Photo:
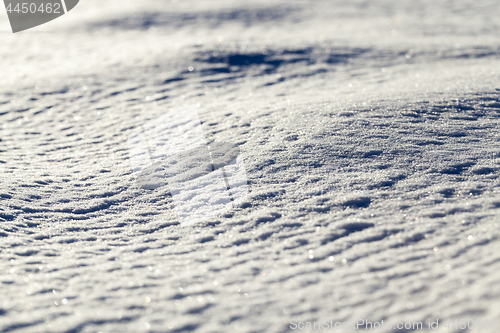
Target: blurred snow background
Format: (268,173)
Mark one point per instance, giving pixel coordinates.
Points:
(370,136)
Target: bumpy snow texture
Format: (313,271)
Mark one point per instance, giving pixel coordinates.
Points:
(369,135)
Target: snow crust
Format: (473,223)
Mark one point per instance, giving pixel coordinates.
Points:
(368,163)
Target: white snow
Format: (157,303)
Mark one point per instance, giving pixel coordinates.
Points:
(368,136)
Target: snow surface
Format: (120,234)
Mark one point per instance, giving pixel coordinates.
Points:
(369,135)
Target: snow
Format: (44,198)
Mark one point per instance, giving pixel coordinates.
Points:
(367,133)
